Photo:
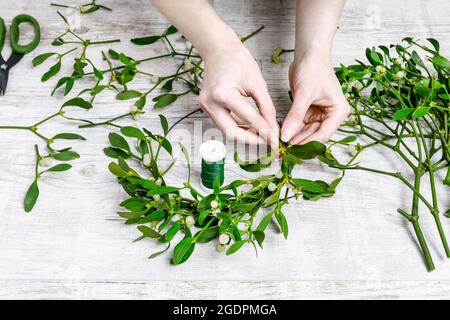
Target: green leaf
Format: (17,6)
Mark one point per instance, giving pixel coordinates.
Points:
(140,103)
(60,82)
(116,170)
(335,183)
(447,177)
(162,190)
(282,222)
(308,151)
(207,235)
(98,74)
(113,54)
(154,216)
(68,136)
(255,166)
(127,95)
(420,112)
(131,215)
(173,230)
(115,153)
(145,40)
(402,113)
(273,198)
(435,44)
(168,85)
(246,206)
(441,62)
(148,232)
(77,102)
(31,196)
(122,163)
(66,155)
(118,141)
(291,160)
(186,156)
(134,204)
(235,247)
(156,254)
(373,57)
(309,185)
(69,85)
(170,30)
(347,140)
(52,71)
(166,145)
(42,58)
(417,60)
(60,167)
(265,222)
(202,216)
(183,250)
(259,236)
(133,132)
(164,100)
(164,124)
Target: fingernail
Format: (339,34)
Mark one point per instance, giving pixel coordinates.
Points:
(285,137)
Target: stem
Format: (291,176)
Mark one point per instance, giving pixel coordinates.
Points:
(423,244)
(182,118)
(60,5)
(243,39)
(105,41)
(435,212)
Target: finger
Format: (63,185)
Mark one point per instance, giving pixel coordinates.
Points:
(237,104)
(294,119)
(305,132)
(266,107)
(328,126)
(223,120)
(239,121)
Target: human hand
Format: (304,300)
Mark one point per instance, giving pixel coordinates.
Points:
(231,74)
(319,105)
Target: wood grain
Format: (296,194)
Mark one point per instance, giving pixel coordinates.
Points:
(72,245)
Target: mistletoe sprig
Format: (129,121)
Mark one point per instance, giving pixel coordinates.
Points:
(115,78)
(404,89)
(64,154)
(80,62)
(401,102)
(180,213)
(121,70)
(83,8)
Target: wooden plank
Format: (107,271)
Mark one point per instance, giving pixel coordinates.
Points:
(73,246)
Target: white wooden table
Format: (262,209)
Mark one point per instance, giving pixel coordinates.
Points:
(353,245)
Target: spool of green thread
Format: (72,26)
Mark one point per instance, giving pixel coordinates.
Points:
(213,163)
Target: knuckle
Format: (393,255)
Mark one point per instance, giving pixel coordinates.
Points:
(220,93)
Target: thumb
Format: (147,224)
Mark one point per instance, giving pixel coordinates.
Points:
(294,119)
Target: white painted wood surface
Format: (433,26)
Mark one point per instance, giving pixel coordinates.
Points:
(353,245)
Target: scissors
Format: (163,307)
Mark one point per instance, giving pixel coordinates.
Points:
(18,50)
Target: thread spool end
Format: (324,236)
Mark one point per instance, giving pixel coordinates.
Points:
(212,151)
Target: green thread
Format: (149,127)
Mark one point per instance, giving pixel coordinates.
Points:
(211,172)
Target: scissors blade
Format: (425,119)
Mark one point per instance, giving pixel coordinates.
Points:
(3,81)
(14,59)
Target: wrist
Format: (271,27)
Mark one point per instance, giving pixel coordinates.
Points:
(312,53)
(224,40)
